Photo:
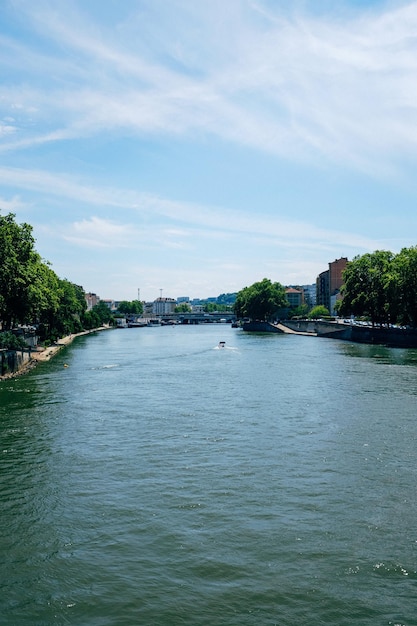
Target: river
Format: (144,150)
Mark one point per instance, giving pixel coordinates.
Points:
(149,477)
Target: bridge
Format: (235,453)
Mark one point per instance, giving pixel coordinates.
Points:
(199,318)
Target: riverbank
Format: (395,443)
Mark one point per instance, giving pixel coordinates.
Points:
(356,333)
(45,354)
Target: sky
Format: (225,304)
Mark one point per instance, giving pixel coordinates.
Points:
(194,147)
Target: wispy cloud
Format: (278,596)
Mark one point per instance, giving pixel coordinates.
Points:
(236,136)
(99,233)
(11,205)
(192,220)
(292,84)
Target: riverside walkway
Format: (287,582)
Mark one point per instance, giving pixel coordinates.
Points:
(290,331)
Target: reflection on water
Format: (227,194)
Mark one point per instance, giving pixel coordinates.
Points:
(393,356)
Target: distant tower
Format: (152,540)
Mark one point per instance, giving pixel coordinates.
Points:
(160,291)
(139,294)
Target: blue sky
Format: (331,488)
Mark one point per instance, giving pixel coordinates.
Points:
(197,146)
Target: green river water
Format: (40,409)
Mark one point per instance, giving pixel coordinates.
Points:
(159,480)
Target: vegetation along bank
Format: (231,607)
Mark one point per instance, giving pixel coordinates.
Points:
(380,289)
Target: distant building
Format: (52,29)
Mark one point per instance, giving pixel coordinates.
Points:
(164,306)
(92,299)
(294,296)
(197,308)
(147,309)
(310,295)
(322,289)
(110,304)
(335,274)
(328,284)
(333,299)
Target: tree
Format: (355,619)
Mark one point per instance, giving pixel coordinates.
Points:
(261,300)
(135,307)
(91,319)
(367,290)
(182,308)
(403,286)
(319,311)
(68,317)
(210,307)
(19,264)
(103,313)
(9,341)
(43,293)
(300,311)
(227,298)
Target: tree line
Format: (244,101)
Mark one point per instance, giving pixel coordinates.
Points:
(379,286)
(382,287)
(260,301)
(32,293)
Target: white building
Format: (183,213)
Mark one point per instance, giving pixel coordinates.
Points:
(164,306)
(109,303)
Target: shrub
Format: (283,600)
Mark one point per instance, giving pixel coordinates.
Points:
(9,341)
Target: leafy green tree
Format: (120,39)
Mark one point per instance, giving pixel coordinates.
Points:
(91,319)
(227,298)
(137,307)
(9,341)
(134,307)
(43,293)
(219,308)
(261,300)
(403,286)
(367,289)
(124,307)
(182,308)
(300,311)
(210,307)
(319,311)
(18,266)
(31,292)
(67,318)
(103,312)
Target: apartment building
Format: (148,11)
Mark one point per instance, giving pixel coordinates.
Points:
(328,284)
(164,306)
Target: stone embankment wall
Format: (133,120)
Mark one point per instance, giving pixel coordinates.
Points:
(394,337)
(12,361)
(301,326)
(260,327)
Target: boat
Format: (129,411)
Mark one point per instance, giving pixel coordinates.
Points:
(222,344)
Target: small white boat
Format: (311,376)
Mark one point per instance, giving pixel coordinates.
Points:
(222,344)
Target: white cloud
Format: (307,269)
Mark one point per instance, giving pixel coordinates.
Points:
(294,85)
(248,85)
(6,129)
(196,220)
(99,233)
(11,205)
